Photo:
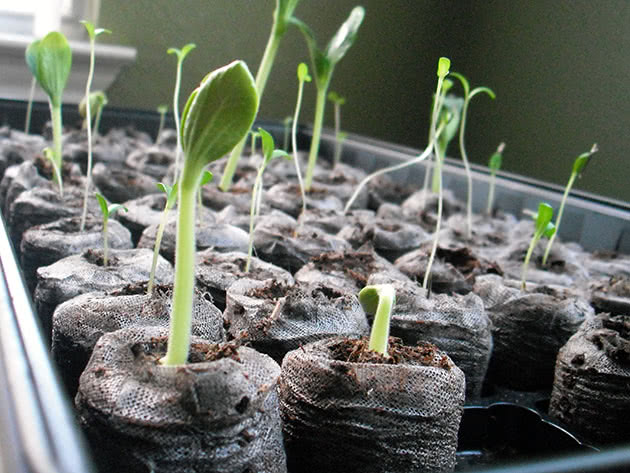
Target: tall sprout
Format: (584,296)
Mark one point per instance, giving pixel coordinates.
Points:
(494,163)
(543,226)
(379,300)
(303,76)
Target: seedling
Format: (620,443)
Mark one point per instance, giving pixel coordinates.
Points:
(206,178)
(340,136)
(303,76)
(269,153)
(468,95)
(323,63)
(181,55)
(434,131)
(252,152)
(450,113)
(379,300)
(578,166)
(494,164)
(98,100)
(282,18)
(162,110)
(107,211)
(217,116)
(286,123)
(50,61)
(171,198)
(543,227)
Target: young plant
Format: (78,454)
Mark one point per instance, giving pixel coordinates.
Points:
(269,153)
(98,100)
(217,116)
(450,114)
(494,164)
(107,211)
(181,55)
(468,95)
(303,76)
(434,131)
(323,63)
(252,152)
(379,300)
(282,18)
(578,166)
(340,136)
(543,227)
(162,110)
(50,61)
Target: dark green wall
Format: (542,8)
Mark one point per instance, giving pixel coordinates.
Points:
(560,70)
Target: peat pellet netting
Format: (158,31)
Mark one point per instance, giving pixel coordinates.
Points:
(370,417)
(216,413)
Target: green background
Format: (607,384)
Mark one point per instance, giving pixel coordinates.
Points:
(560,70)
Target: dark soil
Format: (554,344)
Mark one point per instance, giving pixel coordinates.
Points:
(155,349)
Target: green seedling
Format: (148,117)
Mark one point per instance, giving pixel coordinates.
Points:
(323,63)
(286,123)
(50,61)
(379,300)
(494,163)
(269,153)
(543,227)
(206,178)
(578,166)
(340,136)
(254,135)
(450,113)
(468,95)
(303,76)
(107,210)
(282,18)
(162,110)
(217,116)
(98,100)
(434,131)
(181,55)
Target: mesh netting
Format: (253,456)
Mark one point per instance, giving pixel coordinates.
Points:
(528,329)
(611,295)
(349,416)
(275,318)
(457,324)
(206,416)
(590,390)
(81,321)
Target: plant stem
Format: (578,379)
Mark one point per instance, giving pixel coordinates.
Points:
(29,107)
(337,155)
(156,247)
(88,114)
(178,150)
(55,113)
(298,105)
(105,242)
(379,336)
(160,126)
(530,250)
(427,273)
(253,212)
(560,211)
(317,130)
(183,290)
(493,175)
(462,150)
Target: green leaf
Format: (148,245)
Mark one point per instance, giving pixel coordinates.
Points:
(368,297)
(486,90)
(116,207)
(206,178)
(543,217)
(283,14)
(452,107)
(582,160)
(92,31)
(51,61)
(495,161)
(103,204)
(218,114)
(268,144)
(444,65)
(345,36)
(280,153)
(181,53)
(302,73)
(334,97)
(550,229)
(98,99)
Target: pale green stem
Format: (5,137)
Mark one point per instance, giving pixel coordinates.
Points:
(296,160)
(29,106)
(437,105)
(493,175)
(530,250)
(160,126)
(285,138)
(156,247)
(55,113)
(462,150)
(178,150)
(253,147)
(261,80)
(253,213)
(317,130)
(97,119)
(88,114)
(560,211)
(337,155)
(437,169)
(379,336)
(427,273)
(184,284)
(105,242)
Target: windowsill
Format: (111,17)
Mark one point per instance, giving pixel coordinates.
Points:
(15,77)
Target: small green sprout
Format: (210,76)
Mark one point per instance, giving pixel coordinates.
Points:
(323,63)
(162,110)
(578,166)
(50,61)
(286,123)
(107,211)
(340,136)
(468,95)
(450,114)
(206,178)
(98,100)
(379,300)
(494,163)
(217,116)
(543,227)
(303,76)
(269,153)
(254,135)
(282,18)
(181,55)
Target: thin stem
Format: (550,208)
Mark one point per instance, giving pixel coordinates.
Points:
(88,114)
(317,130)
(178,150)
(560,211)
(253,212)
(379,336)
(437,225)
(183,290)
(493,175)
(97,119)
(156,247)
(160,126)
(298,105)
(55,113)
(29,106)
(105,241)
(462,150)
(530,250)
(337,155)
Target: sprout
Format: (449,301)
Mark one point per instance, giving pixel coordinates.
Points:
(303,76)
(254,135)
(494,164)
(468,95)
(50,61)
(181,55)
(171,198)
(379,300)
(340,136)
(286,123)
(217,116)
(107,211)
(282,18)
(98,100)
(543,227)
(162,110)
(450,113)
(578,166)
(323,63)
(269,153)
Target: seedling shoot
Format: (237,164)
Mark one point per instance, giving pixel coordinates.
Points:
(286,123)
(494,163)
(340,136)
(107,211)
(162,110)
(450,114)
(303,76)
(543,227)
(379,300)
(578,166)
(217,116)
